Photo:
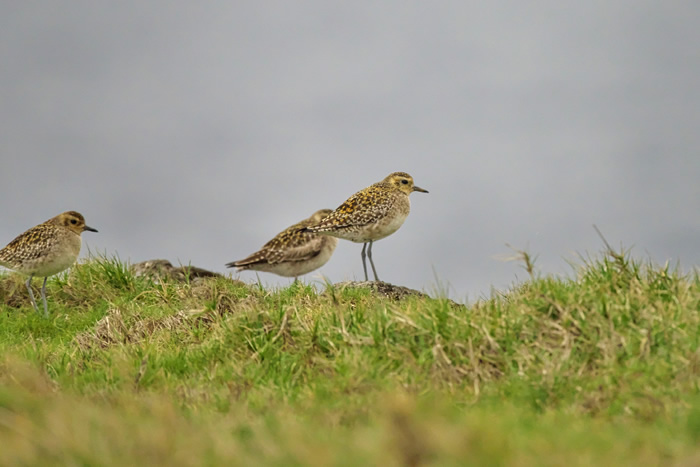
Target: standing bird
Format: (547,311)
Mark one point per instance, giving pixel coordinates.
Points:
(371,214)
(46,249)
(292,252)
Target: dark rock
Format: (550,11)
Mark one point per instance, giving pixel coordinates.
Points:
(158,269)
(393,292)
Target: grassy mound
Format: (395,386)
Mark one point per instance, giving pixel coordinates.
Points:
(603,367)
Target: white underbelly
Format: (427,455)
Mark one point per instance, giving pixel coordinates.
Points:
(378,230)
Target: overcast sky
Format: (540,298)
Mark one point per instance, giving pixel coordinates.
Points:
(195,131)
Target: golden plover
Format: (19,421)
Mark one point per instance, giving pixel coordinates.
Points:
(46,249)
(371,214)
(292,252)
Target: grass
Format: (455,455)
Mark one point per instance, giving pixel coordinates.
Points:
(599,368)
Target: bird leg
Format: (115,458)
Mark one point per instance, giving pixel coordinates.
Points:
(364,263)
(43,297)
(31,294)
(369,255)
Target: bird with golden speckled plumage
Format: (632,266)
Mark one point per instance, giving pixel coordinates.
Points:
(371,214)
(46,249)
(292,253)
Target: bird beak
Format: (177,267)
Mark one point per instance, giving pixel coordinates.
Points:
(417,188)
(89,229)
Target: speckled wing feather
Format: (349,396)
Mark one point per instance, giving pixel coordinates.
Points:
(292,245)
(289,245)
(363,208)
(28,246)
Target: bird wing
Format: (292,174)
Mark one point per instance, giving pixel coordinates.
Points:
(359,210)
(28,246)
(289,245)
(293,245)
(304,250)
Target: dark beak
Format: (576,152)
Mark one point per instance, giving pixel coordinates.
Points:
(417,188)
(90,229)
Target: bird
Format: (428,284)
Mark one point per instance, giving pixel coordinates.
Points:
(292,253)
(46,249)
(371,214)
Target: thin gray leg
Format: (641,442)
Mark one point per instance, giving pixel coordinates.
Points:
(369,255)
(43,297)
(364,263)
(31,294)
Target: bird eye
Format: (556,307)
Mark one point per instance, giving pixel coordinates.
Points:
(73,221)
(404,181)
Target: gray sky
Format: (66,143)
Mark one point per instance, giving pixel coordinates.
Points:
(195,131)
